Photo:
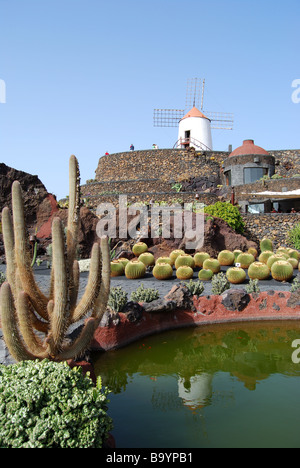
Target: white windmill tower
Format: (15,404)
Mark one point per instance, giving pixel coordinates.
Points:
(194,126)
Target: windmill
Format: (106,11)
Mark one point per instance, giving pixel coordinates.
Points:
(194,125)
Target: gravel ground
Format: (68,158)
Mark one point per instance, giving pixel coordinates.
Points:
(43,275)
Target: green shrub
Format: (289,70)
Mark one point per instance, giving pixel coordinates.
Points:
(229,213)
(144,295)
(294,236)
(117,299)
(220,284)
(49,405)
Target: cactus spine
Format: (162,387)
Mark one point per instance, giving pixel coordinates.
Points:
(24,308)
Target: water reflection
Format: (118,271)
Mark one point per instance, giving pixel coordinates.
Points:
(248,352)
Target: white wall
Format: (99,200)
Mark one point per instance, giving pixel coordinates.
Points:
(200,130)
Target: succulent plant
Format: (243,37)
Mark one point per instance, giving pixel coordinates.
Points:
(196,288)
(226,258)
(236,253)
(139,248)
(212,264)
(259,270)
(236,275)
(184,272)
(253,251)
(117,299)
(116,268)
(275,258)
(293,262)
(264,256)
(282,271)
(123,260)
(25,308)
(282,250)
(245,260)
(135,269)
(175,253)
(252,287)
(184,260)
(294,254)
(164,260)
(147,258)
(199,258)
(144,294)
(266,244)
(205,275)
(162,271)
(220,284)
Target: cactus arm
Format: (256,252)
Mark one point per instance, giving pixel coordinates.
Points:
(81,344)
(102,299)
(93,286)
(34,255)
(73,216)
(25,315)
(60,314)
(22,256)
(9,326)
(75,290)
(9,244)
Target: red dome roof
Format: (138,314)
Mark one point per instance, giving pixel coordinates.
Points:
(248,147)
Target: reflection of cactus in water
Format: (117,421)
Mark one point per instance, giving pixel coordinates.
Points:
(25,308)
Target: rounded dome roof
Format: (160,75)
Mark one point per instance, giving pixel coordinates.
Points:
(248,147)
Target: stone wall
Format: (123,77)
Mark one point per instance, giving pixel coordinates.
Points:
(274,226)
(165,164)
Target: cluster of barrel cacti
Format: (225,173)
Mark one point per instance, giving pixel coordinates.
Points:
(26,310)
(260,265)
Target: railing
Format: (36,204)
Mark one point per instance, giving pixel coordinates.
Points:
(191,142)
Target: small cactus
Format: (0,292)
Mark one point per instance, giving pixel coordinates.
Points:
(245,260)
(259,271)
(226,258)
(266,244)
(205,275)
(282,271)
(219,284)
(135,269)
(139,248)
(162,271)
(184,260)
(212,264)
(199,258)
(184,272)
(174,254)
(147,258)
(116,268)
(264,256)
(164,260)
(236,275)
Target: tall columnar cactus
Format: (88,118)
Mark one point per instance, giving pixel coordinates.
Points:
(25,308)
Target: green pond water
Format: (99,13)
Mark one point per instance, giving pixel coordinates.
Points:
(215,386)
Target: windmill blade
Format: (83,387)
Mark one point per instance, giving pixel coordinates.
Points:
(167,117)
(194,93)
(220,120)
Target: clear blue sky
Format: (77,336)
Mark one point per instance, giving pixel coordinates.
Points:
(83,76)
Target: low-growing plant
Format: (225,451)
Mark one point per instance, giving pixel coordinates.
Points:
(2,278)
(196,288)
(229,213)
(220,284)
(144,294)
(117,299)
(252,287)
(295,285)
(45,404)
(294,236)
